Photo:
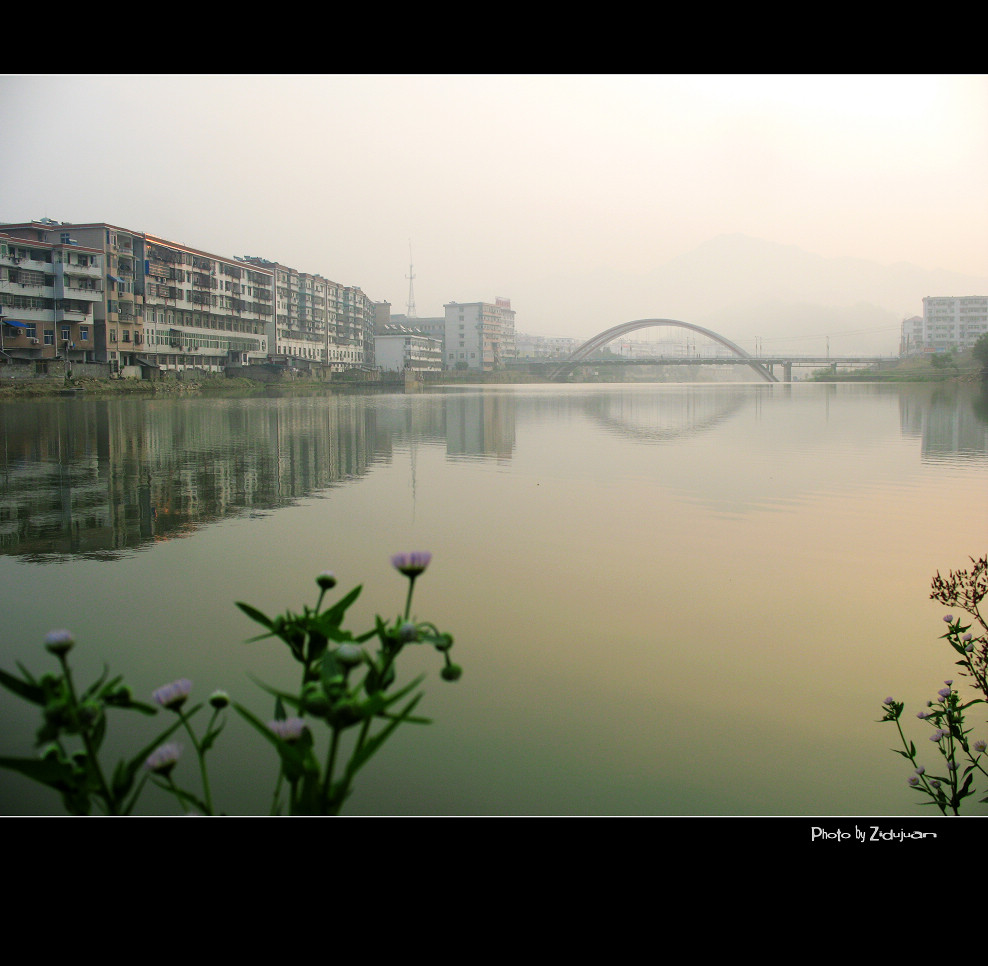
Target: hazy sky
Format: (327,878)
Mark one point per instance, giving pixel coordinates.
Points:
(529,187)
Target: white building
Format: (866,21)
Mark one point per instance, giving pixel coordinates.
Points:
(479,335)
(403,349)
(949,323)
(544,346)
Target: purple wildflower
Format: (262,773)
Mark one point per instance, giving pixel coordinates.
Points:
(288,729)
(948,683)
(944,692)
(913,780)
(967,636)
(162,760)
(920,770)
(948,618)
(172,695)
(411,564)
(980,745)
(889,701)
(922,715)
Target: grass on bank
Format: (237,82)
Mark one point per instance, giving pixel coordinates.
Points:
(918,368)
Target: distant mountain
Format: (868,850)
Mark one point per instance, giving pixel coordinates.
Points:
(744,286)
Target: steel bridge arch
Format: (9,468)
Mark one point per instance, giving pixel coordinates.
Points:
(608,335)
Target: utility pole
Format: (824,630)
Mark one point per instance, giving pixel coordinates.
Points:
(411,280)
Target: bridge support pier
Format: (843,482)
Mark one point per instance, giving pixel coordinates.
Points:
(787,371)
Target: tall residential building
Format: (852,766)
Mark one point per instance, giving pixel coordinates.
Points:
(356,323)
(306,321)
(948,323)
(479,335)
(165,305)
(201,310)
(48,293)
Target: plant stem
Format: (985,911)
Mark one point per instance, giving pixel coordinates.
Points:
(202,763)
(111,805)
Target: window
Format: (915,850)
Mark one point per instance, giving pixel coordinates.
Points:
(31,331)
(65,333)
(113,335)
(83,334)
(49,336)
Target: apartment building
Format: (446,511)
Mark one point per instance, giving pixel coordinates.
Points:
(48,293)
(948,323)
(165,305)
(479,335)
(203,311)
(118,318)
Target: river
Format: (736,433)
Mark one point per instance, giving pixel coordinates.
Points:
(667,599)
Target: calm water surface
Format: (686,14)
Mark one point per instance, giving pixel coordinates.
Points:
(667,599)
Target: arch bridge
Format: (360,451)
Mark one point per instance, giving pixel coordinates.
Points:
(609,335)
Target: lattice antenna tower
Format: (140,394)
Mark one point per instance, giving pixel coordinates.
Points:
(411,283)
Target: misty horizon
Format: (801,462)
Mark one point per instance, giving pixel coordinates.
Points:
(785,208)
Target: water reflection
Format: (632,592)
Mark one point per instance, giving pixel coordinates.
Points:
(104,478)
(100,478)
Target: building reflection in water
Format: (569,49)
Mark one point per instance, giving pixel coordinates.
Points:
(104,478)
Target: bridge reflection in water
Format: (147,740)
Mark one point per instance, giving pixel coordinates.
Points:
(763,366)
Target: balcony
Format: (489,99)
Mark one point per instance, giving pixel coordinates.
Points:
(73,314)
(79,271)
(83,294)
(30,291)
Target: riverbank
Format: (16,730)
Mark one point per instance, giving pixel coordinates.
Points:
(922,368)
(240,385)
(37,388)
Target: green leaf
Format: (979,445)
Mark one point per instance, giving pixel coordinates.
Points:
(95,686)
(283,697)
(48,771)
(334,616)
(254,614)
(185,796)
(24,689)
(209,738)
(362,755)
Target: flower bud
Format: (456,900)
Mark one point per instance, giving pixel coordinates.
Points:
(326,580)
(452,672)
(59,642)
(219,700)
(349,655)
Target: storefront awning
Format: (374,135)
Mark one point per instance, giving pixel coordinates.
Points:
(19,325)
